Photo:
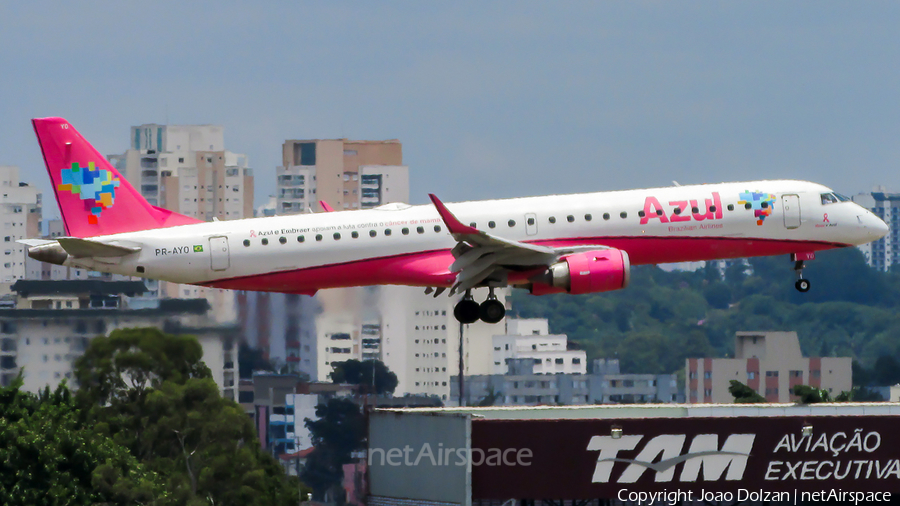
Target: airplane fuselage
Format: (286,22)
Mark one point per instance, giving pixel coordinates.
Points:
(410,245)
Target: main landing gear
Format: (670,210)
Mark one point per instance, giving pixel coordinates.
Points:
(802,285)
(469,311)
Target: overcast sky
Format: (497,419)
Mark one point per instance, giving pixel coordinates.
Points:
(490,99)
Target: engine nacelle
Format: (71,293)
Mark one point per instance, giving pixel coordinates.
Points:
(588,272)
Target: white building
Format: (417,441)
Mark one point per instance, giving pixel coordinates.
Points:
(20,207)
(53,322)
(530,339)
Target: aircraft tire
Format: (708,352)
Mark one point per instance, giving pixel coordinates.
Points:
(466,311)
(492,311)
(802,285)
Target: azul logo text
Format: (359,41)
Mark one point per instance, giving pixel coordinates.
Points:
(703,453)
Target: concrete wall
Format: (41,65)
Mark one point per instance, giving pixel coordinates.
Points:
(425,481)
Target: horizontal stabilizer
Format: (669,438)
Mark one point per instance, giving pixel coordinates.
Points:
(81,248)
(31,243)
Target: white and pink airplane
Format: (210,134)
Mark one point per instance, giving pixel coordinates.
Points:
(578,244)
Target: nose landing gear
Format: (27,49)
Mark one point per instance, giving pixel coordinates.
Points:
(802,285)
(469,311)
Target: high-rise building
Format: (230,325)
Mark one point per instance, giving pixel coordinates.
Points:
(186,169)
(346,174)
(770,363)
(884,252)
(20,207)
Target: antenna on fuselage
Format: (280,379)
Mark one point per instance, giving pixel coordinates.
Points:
(675,183)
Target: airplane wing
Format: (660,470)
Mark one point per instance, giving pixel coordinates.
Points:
(81,248)
(480,256)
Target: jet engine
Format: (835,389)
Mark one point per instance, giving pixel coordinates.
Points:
(589,272)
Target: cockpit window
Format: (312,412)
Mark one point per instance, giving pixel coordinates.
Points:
(832,198)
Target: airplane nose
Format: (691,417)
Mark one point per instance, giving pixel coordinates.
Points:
(876,226)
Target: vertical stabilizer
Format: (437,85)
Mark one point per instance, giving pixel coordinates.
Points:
(93,197)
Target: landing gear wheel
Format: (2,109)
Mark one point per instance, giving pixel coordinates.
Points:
(492,311)
(466,310)
(802,285)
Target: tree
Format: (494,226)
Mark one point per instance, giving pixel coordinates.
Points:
(810,395)
(365,374)
(123,365)
(49,455)
(339,431)
(169,415)
(744,394)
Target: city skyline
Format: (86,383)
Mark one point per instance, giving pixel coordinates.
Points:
(487,99)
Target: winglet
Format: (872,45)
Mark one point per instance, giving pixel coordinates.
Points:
(453,224)
(325,207)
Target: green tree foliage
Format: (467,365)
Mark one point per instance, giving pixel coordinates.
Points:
(810,395)
(365,374)
(168,413)
(339,430)
(743,394)
(49,455)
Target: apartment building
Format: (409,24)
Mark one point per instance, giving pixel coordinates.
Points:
(20,207)
(52,324)
(522,385)
(770,363)
(531,339)
(344,173)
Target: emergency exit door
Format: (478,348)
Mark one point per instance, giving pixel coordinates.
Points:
(219,258)
(791,206)
(530,224)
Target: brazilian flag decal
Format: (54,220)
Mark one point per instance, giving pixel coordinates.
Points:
(198,249)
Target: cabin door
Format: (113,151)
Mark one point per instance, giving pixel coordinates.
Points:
(219,257)
(791,206)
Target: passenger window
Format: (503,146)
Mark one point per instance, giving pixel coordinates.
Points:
(420,230)
(473,225)
(764,205)
(695,209)
(246,242)
(531,221)
(512,223)
(491,224)
(437,228)
(372,233)
(731,207)
(337,236)
(587,217)
(570,218)
(265,241)
(354,234)
(623,214)
(282,240)
(748,206)
(552,219)
(641,214)
(405,231)
(318,237)
(387,231)
(300,238)
(605,216)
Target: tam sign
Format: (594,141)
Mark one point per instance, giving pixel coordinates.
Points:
(577,459)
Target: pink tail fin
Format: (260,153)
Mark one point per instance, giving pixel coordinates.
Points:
(93,197)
